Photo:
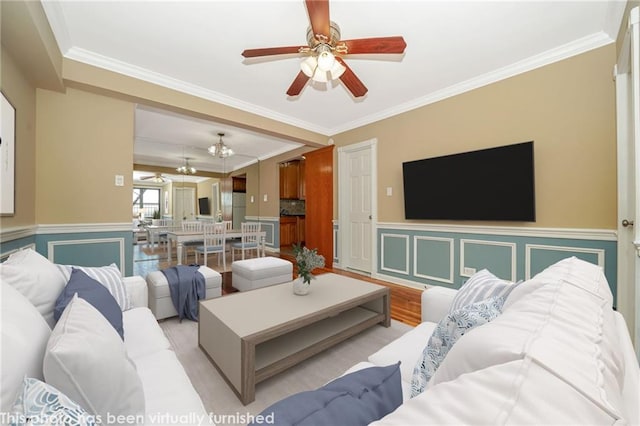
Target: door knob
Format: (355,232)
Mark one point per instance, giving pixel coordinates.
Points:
(626,223)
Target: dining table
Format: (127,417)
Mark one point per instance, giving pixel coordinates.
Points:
(180,237)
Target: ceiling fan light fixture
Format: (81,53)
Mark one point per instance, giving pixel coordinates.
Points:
(320,76)
(309,65)
(337,70)
(326,60)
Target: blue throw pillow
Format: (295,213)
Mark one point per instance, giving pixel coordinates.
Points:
(358,398)
(447,333)
(94,293)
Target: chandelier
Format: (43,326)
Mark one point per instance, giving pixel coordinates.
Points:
(220,150)
(186,169)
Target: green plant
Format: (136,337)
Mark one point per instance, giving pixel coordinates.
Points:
(156,214)
(306,261)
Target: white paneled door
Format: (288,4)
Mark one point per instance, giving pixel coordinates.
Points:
(356,206)
(184,203)
(628,130)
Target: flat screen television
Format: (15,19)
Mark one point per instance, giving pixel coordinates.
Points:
(203,206)
(489,184)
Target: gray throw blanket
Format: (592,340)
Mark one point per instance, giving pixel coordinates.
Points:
(186,286)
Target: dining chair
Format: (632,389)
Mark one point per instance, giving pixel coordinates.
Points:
(214,242)
(164,225)
(190,226)
(250,240)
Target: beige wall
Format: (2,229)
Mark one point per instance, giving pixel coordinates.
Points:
(83,141)
(85,138)
(22,96)
(567,108)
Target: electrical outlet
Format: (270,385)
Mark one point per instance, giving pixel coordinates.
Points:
(469,271)
(389,191)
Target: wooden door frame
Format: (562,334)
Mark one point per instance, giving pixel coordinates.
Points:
(343,200)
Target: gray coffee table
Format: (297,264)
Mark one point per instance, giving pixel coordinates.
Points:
(253,335)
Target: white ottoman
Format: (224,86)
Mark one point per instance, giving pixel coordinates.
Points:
(250,274)
(160,301)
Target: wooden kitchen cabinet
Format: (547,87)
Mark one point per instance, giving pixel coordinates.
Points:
(289,180)
(292,230)
(301,181)
(239,184)
(288,230)
(301,229)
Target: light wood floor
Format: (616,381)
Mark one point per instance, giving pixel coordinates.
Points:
(405,301)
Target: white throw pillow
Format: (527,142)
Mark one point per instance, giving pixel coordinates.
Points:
(36,277)
(86,360)
(108,276)
(482,285)
(22,343)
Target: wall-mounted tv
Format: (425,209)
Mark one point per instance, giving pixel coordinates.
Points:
(203,206)
(489,184)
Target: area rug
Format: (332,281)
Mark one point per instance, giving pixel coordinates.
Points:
(219,399)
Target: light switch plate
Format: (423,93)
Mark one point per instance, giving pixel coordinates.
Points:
(389,191)
(265,198)
(119,180)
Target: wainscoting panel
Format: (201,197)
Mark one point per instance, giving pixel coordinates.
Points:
(497,257)
(433,258)
(394,253)
(446,255)
(271,226)
(539,256)
(78,244)
(83,252)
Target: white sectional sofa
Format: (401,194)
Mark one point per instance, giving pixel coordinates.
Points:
(168,394)
(557,354)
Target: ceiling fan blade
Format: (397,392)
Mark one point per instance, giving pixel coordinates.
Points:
(298,84)
(268,51)
(353,83)
(375,45)
(319,16)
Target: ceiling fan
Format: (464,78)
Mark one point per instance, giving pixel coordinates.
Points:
(157,178)
(325,50)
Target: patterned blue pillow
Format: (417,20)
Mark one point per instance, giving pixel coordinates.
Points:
(446,333)
(41,404)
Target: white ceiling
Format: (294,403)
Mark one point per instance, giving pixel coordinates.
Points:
(195,46)
(164,138)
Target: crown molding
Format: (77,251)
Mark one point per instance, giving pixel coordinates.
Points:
(58,24)
(120,67)
(565,51)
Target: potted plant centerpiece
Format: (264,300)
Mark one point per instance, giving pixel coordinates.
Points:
(306,261)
